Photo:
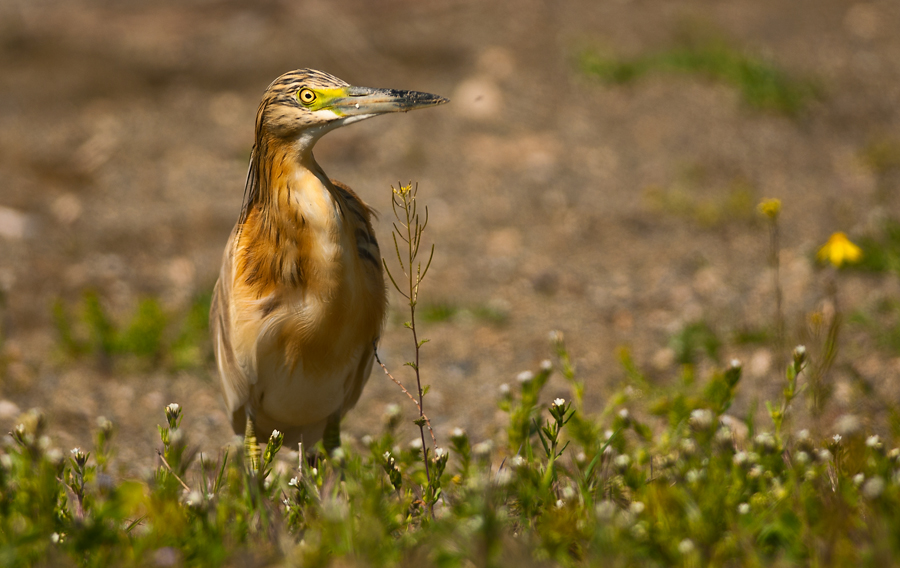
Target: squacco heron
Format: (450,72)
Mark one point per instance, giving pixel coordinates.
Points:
(300,299)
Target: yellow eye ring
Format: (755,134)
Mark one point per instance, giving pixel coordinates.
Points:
(306,96)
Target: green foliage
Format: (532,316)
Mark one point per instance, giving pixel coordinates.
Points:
(752,336)
(149,334)
(447,311)
(563,487)
(187,348)
(882,322)
(143,336)
(882,155)
(762,84)
(881,251)
(693,340)
(728,205)
(434,313)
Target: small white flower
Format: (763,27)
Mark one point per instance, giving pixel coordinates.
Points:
(637,507)
(873,441)
(366,440)
(623,414)
(639,531)
(873,487)
(457,433)
(294,482)
(837,438)
(516,461)
(54,455)
(193,498)
(765,439)
(525,377)
(740,458)
(701,418)
(483,449)
(743,508)
(559,402)
(560,503)
(686,546)
(275,434)
(416,444)
(504,389)
(858,479)
(546,365)
(735,363)
(605,510)
(802,458)
(724,435)
(803,434)
(568,492)
(823,455)
(173,407)
(622,461)
(439,452)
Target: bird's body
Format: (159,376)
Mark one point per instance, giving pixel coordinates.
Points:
(300,299)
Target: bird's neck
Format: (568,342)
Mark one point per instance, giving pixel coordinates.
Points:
(292,221)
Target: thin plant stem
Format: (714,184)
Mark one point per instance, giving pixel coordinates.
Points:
(409,394)
(172,471)
(775,262)
(409,230)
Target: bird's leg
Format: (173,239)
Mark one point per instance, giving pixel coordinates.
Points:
(331,438)
(251,447)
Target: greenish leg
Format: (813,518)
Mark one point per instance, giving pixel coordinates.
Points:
(331,438)
(251,447)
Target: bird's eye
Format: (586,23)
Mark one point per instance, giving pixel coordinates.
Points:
(306,96)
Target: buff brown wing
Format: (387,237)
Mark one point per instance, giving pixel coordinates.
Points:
(232,374)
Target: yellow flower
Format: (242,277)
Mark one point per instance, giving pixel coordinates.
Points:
(770,208)
(839,250)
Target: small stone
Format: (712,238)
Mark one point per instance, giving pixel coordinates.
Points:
(14,225)
(8,410)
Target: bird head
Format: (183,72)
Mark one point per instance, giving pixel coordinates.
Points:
(302,105)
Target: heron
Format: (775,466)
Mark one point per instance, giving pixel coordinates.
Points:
(300,300)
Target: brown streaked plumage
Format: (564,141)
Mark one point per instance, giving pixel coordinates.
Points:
(301,296)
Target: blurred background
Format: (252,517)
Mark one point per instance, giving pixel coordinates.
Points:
(597,172)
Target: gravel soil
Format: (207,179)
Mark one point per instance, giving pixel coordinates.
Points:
(556,202)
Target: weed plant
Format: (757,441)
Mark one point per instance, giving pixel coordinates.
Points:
(653,480)
(660,476)
(763,85)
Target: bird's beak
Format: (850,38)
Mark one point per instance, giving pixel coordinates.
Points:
(364,102)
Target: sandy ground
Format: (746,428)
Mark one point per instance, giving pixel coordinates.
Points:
(125,130)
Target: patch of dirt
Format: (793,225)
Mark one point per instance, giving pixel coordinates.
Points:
(125,129)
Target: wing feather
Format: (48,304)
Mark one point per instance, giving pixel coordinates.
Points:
(232,373)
